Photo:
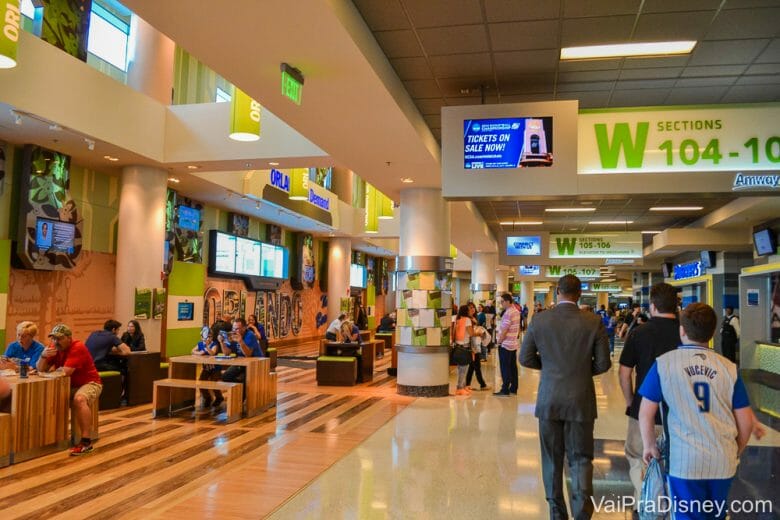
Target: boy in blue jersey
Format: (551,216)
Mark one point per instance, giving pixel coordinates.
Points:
(709,418)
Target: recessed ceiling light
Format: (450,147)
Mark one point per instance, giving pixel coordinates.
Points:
(407,180)
(676,208)
(112,159)
(192,166)
(566,210)
(609,222)
(651,232)
(273,163)
(627,49)
(521,222)
(173,180)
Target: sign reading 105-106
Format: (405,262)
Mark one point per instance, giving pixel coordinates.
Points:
(678,139)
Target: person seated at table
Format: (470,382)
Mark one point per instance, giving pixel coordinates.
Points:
(387,323)
(208,346)
(76,362)
(134,337)
(243,343)
(101,343)
(350,333)
(25,347)
(334,329)
(258,330)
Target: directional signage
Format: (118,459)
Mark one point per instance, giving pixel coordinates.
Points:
(679,139)
(596,245)
(580,271)
(605,287)
(687,270)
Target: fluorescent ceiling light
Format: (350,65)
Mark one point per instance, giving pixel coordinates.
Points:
(609,222)
(651,232)
(627,50)
(566,210)
(521,222)
(676,208)
(407,180)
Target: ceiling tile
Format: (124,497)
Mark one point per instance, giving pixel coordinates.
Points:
(595,99)
(524,62)
(645,63)
(525,98)
(672,26)
(591,75)
(527,83)
(454,40)
(713,70)
(423,88)
(764,68)
(429,106)
(745,23)
(696,95)
(412,68)
(645,83)
(578,8)
(515,36)
(455,101)
(670,6)
(382,15)
(706,82)
(571,66)
(460,65)
(439,13)
(742,4)
(585,87)
(596,31)
(655,73)
(641,97)
(769,79)
(398,44)
(771,54)
(452,87)
(750,94)
(512,10)
(726,52)
(434,121)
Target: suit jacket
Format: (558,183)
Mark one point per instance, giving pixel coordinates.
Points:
(569,346)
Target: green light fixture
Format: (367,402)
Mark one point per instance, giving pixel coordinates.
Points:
(299,184)
(244,117)
(385,207)
(372,213)
(11,20)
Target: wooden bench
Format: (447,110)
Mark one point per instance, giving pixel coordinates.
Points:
(163,399)
(5,439)
(336,370)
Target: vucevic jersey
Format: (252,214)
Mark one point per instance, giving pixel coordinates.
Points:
(701,389)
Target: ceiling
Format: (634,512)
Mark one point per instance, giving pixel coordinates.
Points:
(468,52)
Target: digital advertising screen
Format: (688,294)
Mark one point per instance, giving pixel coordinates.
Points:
(54,236)
(189,218)
(248,256)
(529,270)
(765,242)
(273,261)
(225,254)
(357,275)
(524,245)
(513,142)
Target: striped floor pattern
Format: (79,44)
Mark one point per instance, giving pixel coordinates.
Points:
(192,466)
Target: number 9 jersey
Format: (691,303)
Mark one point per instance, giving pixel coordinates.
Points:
(700,390)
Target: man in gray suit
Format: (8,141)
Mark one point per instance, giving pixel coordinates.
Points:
(569,346)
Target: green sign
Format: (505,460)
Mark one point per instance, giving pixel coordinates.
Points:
(143,304)
(291,88)
(596,245)
(679,139)
(605,287)
(10,18)
(244,117)
(580,271)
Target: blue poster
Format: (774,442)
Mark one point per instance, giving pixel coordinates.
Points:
(514,142)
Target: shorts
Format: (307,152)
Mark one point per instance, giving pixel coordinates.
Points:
(91,391)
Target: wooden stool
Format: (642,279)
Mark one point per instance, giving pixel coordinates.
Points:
(336,370)
(5,439)
(111,396)
(75,431)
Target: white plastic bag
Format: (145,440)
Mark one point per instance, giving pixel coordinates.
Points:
(654,500)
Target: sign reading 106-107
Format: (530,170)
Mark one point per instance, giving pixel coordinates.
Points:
(680,139)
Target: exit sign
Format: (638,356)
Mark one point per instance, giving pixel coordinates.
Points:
(291,88)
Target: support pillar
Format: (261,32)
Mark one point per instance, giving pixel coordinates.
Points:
(150,68)
(483,277)
(424,294)
(502,281)
(339,256)
(140,243)
(602,298)
(527,294)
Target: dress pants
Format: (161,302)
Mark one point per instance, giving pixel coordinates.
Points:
(575,440)
(508,361)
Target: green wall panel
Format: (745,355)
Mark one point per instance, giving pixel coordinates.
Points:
(179,342)
(187,280)
(5,264)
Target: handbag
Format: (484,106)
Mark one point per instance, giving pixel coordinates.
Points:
(461,355)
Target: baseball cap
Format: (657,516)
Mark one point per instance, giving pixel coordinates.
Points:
(60,330)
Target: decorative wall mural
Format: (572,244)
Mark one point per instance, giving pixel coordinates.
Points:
(308,267)
(183,235)
(66,25)
(238,224)
(230,304)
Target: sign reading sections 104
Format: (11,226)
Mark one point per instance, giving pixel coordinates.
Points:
(679,139)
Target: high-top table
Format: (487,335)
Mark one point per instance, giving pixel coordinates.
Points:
(260,381)
(143,368)
(40,409)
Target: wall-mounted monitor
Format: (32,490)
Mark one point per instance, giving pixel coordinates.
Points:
(54,236)
(189,218)
(274,261)
(524,245)
(233,255)
(708,259)
(510,142)
(357,276)
(667,269)
(529,270)
(247,256)
(765,242)
(223,248)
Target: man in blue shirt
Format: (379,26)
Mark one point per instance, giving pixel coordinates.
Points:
(243,343)
(25,347)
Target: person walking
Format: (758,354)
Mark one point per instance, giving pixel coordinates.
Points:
(729,335)
(462,355)
(508,339)
(569,347)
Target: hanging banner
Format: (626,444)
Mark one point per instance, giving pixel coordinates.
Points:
(596,245)
(244,117)
(580,271)
(11,20)
(372,216)
(679,139)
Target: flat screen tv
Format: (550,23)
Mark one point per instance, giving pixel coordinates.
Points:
(708,259)
(667,269)
(54,236)
(357,276)
(765,242)
(513,142)
(189,218)
(273,261)
(524,246)
(248,256)
(224,247)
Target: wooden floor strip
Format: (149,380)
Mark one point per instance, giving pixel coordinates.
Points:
(297,423)
(334,423)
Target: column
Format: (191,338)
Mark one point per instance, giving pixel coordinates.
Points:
(140,243)
(602,298)
(150,67)
(424,294)
(527,294)
(502,281)
(483,277)
(339,256)
(549,298)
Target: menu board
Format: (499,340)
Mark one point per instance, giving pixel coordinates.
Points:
(248,256)
(225,255)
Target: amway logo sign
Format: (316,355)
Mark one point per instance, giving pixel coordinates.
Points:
(756,182)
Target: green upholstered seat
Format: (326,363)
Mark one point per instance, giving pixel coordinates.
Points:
(343,359)
(164,365)
(109,373)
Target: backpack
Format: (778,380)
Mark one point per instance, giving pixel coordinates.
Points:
(727,330)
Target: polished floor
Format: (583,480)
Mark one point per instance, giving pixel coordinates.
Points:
(335,452)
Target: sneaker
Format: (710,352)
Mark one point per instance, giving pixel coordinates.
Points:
(80,449)
(461,391)
(501,394)
(483,388)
